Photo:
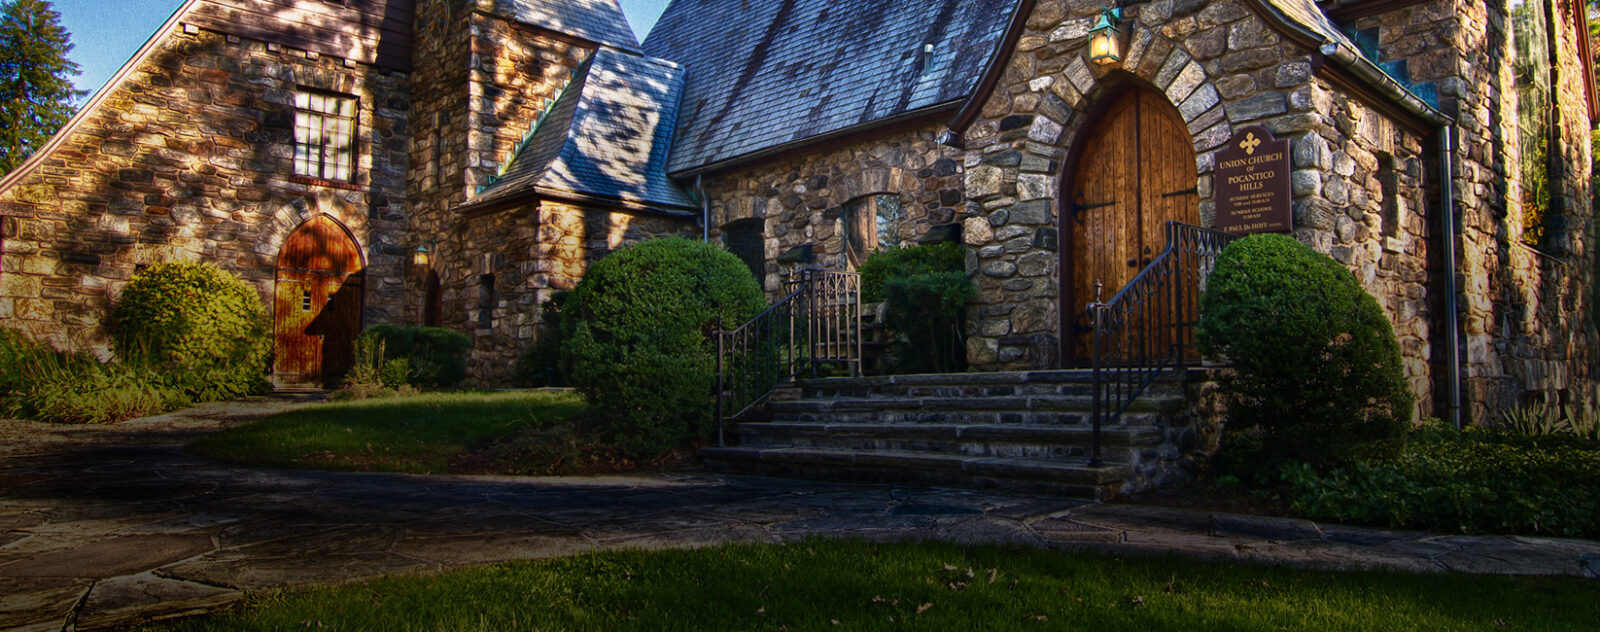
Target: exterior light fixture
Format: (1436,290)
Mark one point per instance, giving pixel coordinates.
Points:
(1105,39)
(422,256)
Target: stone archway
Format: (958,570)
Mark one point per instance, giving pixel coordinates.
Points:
(317,300)
(1132,171)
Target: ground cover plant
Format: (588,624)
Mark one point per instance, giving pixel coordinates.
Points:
(38,382)
(818,585)
(1473,481)
(428,433)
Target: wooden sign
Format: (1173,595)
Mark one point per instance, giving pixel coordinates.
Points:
(1252,184)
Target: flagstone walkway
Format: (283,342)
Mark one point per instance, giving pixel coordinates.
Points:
(104,526)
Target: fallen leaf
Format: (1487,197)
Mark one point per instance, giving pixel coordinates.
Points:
(833,621)
(1040,617)
(993,575)
(924,607)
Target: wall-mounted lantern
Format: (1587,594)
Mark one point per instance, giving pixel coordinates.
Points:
(1105,39)
(423,255)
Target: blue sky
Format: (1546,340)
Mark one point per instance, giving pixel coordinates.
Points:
(105,33)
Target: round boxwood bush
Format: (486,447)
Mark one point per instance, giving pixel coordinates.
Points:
(201,328)
(637,344)
(1317,375)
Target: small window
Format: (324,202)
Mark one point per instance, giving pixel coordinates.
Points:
(305,301)
(324,136)
(743,238)
(486,301)
(431,303)
(1389,185)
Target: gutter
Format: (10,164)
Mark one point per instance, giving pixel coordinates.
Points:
(1347,57)
(1447,221)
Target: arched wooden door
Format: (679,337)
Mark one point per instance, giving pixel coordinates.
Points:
(1134,172)
(317,303)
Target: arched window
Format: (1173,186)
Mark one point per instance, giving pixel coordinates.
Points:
(1530,31)
(872,223)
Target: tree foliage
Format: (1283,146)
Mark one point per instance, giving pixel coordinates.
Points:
(36,91)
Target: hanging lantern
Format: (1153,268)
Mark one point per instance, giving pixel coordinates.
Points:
(421,257)
(1105,39)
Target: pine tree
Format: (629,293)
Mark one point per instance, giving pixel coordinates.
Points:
(36,92)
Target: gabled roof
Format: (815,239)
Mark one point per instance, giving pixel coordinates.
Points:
(599,21)
(605,138)
(764,73)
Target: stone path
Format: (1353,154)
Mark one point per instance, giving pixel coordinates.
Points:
(104,526)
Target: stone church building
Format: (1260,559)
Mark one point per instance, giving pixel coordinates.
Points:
(455,162)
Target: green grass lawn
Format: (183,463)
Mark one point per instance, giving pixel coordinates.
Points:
(421,434)
(821,585)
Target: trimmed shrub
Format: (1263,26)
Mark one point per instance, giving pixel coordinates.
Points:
(437,357)
(202,329)
(1317,375)
(928,310)
(637,339)
(925,289)
(901,263)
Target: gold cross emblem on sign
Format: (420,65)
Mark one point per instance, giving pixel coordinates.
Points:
(1250,143)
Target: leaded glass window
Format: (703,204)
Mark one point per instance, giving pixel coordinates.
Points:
(324,135)
(1530,32)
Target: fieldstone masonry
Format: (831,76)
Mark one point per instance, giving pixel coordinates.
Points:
(192,160)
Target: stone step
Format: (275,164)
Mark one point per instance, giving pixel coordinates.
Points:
(973,417)
(1063,477)
(1120,444)
(1035,404)
(1065,383)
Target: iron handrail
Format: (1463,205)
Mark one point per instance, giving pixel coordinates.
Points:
(1147,328)
(818,322)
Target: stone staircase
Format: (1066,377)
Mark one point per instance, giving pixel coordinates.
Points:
(1021,431)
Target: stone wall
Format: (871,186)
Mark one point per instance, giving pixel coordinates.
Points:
(190,158)
(481,82)
(1527,335)
(801,200)
(515,260)
(1218,63)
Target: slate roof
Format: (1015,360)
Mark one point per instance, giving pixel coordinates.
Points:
(600,21)
(1309,15)
(607,136)
(762,73)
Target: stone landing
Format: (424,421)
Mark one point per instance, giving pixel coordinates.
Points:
(1027,431)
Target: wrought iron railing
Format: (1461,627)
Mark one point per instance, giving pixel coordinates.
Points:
(818,323)
(1147,328)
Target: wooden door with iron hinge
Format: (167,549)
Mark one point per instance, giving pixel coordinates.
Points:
(1134,172)
(317,304)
